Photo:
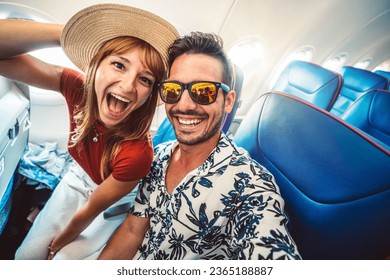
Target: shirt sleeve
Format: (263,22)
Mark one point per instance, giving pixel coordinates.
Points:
(133,161)
(148,190)
(72,85)
(261,223)
(141,207)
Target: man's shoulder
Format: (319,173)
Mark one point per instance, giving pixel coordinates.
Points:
(241,159)
(163,149)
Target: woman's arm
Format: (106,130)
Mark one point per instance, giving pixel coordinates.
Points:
(126,240)
(107,193)
(18,37)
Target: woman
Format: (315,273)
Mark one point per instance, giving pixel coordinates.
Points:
(123,52)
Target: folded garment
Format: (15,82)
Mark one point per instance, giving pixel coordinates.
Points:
(44,165)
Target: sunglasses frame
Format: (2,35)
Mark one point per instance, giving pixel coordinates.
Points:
(188,86)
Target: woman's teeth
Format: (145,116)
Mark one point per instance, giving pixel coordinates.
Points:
(117,104)
(120,98)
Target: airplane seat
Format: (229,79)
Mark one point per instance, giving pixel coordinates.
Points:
(165,131)
(311,82)
(371,114)
(356,82)
(386,75)
(238,81)
(334,179)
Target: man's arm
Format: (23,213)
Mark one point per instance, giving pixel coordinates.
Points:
(126,240)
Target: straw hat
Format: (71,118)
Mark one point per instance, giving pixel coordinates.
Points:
(88,29)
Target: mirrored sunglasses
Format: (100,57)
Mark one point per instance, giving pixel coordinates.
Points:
(201,92)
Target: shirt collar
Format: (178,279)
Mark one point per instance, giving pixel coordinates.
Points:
(225,148)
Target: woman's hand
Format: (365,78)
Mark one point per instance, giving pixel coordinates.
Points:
(51,252)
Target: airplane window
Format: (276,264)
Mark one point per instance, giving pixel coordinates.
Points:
(336,62)
(363,64)
(51,55)
(54,56)
(304,53)
(248,54)
(17,11)
(384,66)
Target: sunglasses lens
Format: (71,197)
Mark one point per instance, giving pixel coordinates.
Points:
(204,92)
(170,92)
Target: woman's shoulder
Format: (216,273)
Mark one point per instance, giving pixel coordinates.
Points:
(136,147)
(71,81)
(133,160)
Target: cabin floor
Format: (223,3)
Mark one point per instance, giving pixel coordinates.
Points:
(26,204)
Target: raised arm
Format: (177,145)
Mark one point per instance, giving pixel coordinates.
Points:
(18,37)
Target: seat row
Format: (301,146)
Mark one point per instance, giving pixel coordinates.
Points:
(326,89)
(326,140)
(355,95)
(333,173)
(334,178)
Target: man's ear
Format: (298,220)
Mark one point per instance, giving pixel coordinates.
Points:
(230,99)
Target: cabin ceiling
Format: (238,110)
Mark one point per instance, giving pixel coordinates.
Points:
(356,27)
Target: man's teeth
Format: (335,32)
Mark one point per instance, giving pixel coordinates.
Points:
(189,122)
(120,98)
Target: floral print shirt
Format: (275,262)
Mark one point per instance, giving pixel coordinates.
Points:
(227,208)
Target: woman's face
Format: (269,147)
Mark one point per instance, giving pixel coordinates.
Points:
(122,84)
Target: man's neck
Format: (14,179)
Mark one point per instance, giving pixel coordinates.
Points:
(186,158)
(195,155)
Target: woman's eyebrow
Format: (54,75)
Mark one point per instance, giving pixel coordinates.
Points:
(147,71)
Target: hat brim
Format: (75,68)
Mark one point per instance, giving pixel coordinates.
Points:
(88,29)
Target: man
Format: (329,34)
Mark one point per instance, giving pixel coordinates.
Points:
(204,198)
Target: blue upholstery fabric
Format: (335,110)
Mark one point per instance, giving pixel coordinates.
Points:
(309,82)
(238,80)
(371,113)
(335,180)
(386,75)
(165,131)
(356,82)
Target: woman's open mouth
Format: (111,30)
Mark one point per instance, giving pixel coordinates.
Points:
(117,104)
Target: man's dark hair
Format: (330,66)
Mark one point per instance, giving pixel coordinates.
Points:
(202,43)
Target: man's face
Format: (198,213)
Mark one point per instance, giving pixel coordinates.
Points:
(195,123)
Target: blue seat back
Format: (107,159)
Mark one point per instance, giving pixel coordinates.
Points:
(356,82)
(165,131)
(334,179)
(371,114)
(238,80)
(386,75)
(309,82)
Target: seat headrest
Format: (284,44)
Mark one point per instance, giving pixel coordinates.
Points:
(371,113)
(238,81)
(310,82)
(386,75)
(355,83)
(383,74)
(362,80)
(164,133)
